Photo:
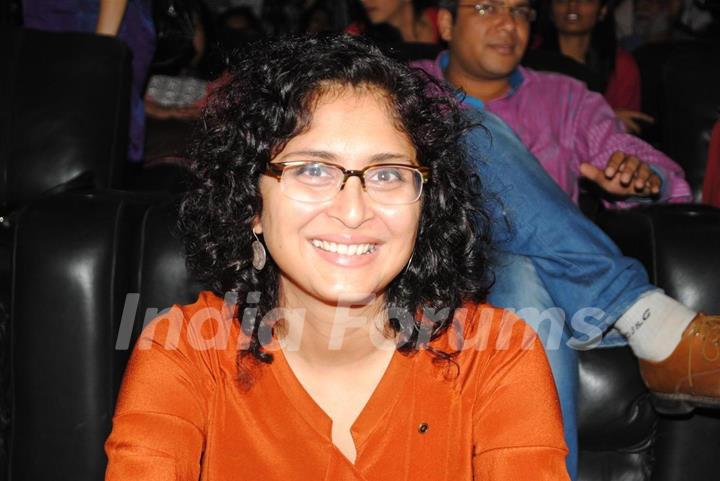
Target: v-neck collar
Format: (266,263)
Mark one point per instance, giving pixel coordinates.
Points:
(379,406)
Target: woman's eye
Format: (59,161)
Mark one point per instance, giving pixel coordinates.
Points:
(313,170)
(314,174)
(386,175)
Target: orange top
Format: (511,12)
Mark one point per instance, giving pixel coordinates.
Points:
(183,416)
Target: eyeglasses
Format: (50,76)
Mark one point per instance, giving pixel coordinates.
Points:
(522,13)
(313,181)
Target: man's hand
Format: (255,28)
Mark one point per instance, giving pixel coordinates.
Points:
(630,119)
(624,175)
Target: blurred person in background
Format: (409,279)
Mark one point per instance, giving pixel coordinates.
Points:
(128,20)
(404,29)
(584,30)
(177,88)
(316,19)
(646,21)
(180,90)
(237,27)
(414,22)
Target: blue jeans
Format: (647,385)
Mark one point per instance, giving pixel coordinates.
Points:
(558,258)
(582,269)
(519,288)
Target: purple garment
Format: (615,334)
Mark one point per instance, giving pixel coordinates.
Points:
(564,124)
(136,30)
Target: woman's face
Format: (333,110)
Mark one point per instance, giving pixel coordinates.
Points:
(380,11)
(576,17)
(353,129)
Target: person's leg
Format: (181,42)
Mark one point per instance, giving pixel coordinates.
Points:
(587,276)
(582,269)
(518,287)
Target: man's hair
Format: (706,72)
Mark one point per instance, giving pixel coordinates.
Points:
(269,98)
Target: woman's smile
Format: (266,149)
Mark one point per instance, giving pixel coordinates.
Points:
(346,254)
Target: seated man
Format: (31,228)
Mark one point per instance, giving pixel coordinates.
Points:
(572,131)
(559,258)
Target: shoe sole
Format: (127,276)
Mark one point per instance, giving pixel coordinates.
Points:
(679,404)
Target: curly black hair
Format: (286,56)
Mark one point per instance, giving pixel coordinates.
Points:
(268,98)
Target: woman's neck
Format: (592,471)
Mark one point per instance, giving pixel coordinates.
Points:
(326,335)
(575,46)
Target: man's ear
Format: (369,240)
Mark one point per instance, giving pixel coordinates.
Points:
(445,24)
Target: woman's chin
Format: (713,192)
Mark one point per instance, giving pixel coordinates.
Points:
(343,293)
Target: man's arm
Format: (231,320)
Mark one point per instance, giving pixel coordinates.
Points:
(618,162)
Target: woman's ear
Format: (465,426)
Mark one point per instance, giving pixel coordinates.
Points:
(256,225)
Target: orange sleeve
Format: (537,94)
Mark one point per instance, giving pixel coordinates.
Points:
(160,420)
(518,426)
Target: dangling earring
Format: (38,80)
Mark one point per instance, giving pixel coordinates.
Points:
(259,254)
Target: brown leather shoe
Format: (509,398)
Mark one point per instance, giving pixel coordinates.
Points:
(690,377)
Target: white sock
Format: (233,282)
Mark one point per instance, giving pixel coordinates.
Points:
(654,325)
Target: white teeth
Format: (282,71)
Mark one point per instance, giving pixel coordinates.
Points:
(344,249)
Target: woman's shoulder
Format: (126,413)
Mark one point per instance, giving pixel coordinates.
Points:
(488,322)
(203,332)
(488,341)
(482,331)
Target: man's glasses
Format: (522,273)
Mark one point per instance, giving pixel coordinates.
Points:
(313,181)
(521,13)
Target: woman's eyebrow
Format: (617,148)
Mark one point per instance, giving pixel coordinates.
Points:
(323,154)
(329,156)
(385,156)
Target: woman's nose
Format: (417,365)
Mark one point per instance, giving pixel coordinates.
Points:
(351,205)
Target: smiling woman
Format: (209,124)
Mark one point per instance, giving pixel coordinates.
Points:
(335,212)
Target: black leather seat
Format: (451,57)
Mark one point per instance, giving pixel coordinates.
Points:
(691,102)
(679,89)
(91,269)
(57,87)
(63,127)
(678,245)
